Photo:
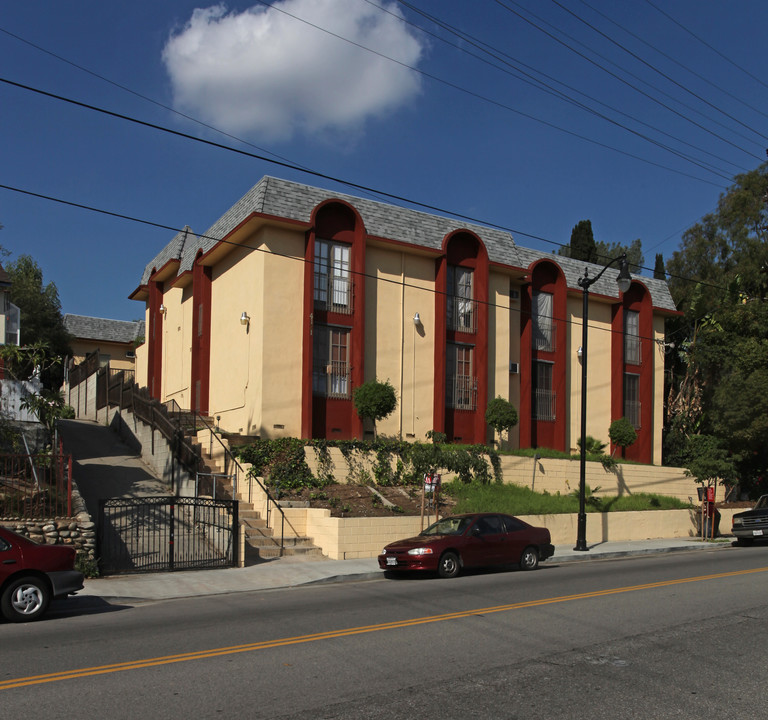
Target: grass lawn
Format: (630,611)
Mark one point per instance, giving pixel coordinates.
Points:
(515,500)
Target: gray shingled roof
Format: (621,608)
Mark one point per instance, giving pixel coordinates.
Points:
(92,328)
(295,201)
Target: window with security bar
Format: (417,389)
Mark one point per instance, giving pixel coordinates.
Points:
(461,385)
(632,337)
(544,398)
(330,372)
(543,324)
(632,404)
(333,283)
(461,308)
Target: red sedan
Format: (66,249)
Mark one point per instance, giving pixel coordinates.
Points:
(473,540)
(32,574)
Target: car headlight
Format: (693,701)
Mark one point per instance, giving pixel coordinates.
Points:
(420,551)
(738,521)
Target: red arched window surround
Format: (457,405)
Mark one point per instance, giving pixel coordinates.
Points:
(546,277)
(462,249)
(337,222)
(639,364)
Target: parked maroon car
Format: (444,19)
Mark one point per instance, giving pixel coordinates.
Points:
(31,574)
(473,540)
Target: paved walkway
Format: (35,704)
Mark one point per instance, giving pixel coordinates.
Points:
(105,467)
(290,572)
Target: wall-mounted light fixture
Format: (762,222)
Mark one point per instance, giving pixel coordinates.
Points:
(416,319)
(163,309)
(244,319)
(579,352)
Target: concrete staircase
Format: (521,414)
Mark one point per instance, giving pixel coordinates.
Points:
(262,541)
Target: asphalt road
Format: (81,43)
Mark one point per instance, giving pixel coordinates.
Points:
(668,636)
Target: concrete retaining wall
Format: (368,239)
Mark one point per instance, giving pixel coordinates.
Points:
(351,538)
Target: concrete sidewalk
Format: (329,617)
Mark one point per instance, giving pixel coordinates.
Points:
(289,572)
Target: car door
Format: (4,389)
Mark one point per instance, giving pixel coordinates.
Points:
(10,559)
(487,540)
(516,538)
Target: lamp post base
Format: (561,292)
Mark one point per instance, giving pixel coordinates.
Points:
(581,531)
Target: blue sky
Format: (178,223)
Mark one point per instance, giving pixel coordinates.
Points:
(428,116)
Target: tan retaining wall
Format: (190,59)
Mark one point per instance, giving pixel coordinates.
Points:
(352,538)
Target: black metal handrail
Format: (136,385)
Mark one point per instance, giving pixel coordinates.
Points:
(229,457)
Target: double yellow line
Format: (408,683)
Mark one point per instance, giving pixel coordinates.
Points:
(331,634)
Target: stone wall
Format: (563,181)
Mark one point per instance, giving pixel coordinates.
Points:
(78,531)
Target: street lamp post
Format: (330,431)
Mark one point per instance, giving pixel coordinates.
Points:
(623,280)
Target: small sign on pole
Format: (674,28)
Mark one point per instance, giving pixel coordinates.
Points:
(430,495)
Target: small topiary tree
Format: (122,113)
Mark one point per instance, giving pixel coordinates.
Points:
(622,433)
(501,415)
(374,400)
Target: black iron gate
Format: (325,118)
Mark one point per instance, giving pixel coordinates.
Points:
(163,533)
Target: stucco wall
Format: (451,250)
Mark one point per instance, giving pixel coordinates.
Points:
(352,538)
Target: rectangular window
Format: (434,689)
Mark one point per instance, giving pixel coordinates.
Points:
(330,376)
(460,384)
(461,308)
(632,399)
(544,398)
(333,285)
(632,337)
(543,325)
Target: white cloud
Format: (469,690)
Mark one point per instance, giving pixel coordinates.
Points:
(261,71)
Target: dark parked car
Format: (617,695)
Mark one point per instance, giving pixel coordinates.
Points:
(752,524)
(31,574)
(473,540)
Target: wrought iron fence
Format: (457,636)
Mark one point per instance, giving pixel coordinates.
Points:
(166,533)
(36,486)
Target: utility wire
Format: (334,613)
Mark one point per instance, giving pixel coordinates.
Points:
(693,72)
(539,84)
(623,81)
(487,99)
(656,70)
(706,44)
(267,251)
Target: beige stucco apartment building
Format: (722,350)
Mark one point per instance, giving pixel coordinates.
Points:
(269,319)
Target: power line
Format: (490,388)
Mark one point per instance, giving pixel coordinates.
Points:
(622,80)
(656,70)
(266,251)
(706,44)
(539,84)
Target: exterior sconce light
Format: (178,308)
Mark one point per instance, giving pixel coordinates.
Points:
(163,309)
(416,319)
(579,352)
(244,319)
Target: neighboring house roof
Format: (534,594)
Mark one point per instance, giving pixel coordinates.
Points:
(5,278)
(92,328)
(295,201)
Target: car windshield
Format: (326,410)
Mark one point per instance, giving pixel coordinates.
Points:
(762,503)
(448,526)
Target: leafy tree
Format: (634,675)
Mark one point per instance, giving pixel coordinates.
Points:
(708,460)
(582,245)
(374,400)
(635,258)
(41,320)
(622,433)
(49,406)
(720,382)
(501,415)
(658,269)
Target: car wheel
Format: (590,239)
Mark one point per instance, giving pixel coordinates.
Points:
(449,565)
(529,560)
(25,599)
